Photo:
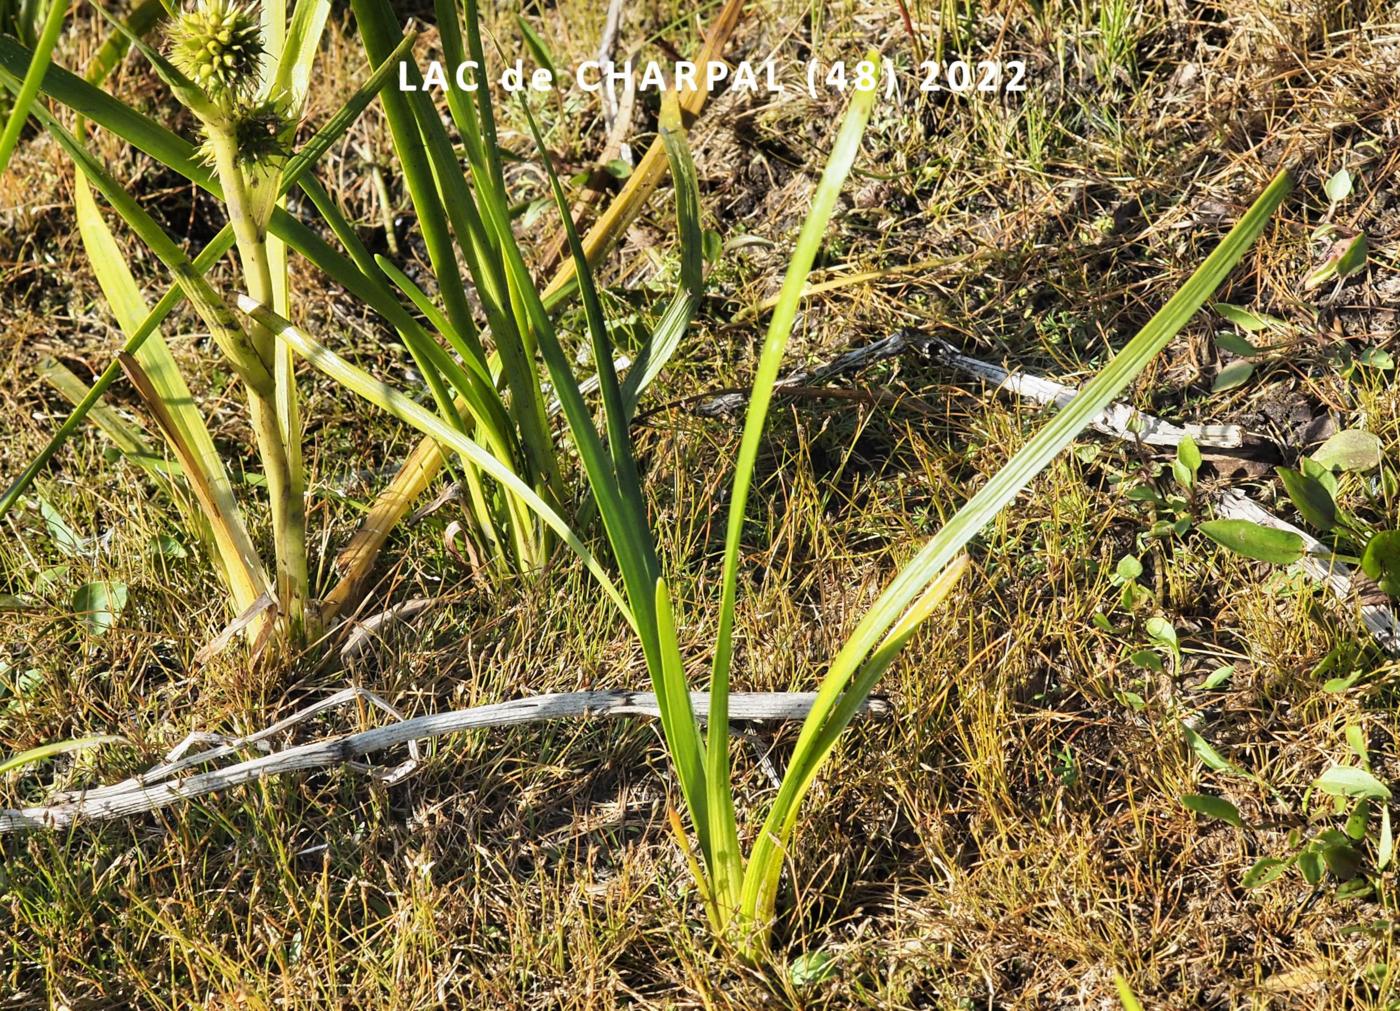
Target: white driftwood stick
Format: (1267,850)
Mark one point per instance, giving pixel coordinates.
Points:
(179,758)
(135,796)
(1319,566)
(1118,420)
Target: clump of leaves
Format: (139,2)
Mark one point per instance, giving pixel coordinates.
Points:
(1242,343)
(1170,494)
(1346,840)
(1313,488)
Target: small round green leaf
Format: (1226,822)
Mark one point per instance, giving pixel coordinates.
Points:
(1350,449)
(98,605)
(1129,568)
(1338,186)
(1218,677)
(1235,344)
(1381,561)
(1246,319)
(1345,257)
(1377,358)
(1163,631)
(812,967)
(1311,497)
(1310,863)
(1264,871)
(1237,373)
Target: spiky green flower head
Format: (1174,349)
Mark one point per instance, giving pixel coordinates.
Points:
(259,131)
(218,45)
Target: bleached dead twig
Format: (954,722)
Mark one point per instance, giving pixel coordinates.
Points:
(850,361)
(178,759)
(615,123)
(142,794)
(1118,420)
(367,629)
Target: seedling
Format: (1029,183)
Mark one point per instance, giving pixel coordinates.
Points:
(1313,489)
(1352,855)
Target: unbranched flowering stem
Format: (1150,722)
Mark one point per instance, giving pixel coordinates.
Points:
(284,485)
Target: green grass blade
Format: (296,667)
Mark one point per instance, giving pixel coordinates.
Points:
(614,413)
(112,114)
(215,251)
(32,81)
(224,327)
(682,735)
(462,108)
(44,751)
(491,148)
(499,291)
(380,34)
(843,156)
(129,439)
(626,530)
(106,59)
(761,877)
(298,51)
(625,514)
(178,155)
(444,191)
(676,319)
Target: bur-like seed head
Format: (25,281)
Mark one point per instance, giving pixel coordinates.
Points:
(259,132)
(218,45)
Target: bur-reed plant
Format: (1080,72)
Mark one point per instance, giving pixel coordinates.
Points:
(244,77)
(740,891)
(483,381)
(498,397)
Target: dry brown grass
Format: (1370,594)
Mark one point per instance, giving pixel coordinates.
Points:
(1013,838)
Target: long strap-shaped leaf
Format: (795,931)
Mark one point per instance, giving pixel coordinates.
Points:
(675,320)
(765,865)
(378,31)
(178,154)
(723,829)
(471,216)
(237,557)
(33,76)
(618,493)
